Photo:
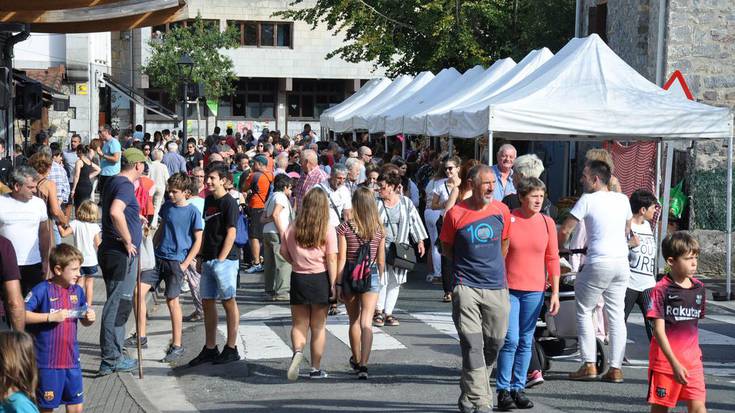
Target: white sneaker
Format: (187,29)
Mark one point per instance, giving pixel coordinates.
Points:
(318,374)
(293,368)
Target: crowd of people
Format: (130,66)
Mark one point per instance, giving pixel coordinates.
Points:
(343,221)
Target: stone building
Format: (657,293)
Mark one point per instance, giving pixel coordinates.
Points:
(699,41)
(284,79)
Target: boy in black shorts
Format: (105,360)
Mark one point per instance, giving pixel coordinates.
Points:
(176,244)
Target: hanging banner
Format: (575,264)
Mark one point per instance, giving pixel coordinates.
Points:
(213,106)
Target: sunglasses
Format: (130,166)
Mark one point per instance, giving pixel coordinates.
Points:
(449,168)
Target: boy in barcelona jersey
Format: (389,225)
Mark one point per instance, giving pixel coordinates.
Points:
(677,303)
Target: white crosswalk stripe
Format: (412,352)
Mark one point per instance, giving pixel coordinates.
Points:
(339,326)
(441,321)
(257,340)
(706,337)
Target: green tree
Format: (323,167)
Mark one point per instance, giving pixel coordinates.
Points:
(203,41)
(409,36)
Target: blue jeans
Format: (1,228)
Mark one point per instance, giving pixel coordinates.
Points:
(515,356)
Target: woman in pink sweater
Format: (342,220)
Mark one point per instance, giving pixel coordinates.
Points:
(532,261)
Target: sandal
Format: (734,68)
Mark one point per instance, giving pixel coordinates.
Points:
(447,297)
(355,365)
(378,320)
(333,309)
(391,321)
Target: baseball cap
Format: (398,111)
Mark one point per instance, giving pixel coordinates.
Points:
(133,155)
(260,159)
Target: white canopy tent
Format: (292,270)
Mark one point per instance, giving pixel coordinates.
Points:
(409,120)
(435,87)
(390,96)
(376,122)
(345,121)
(364,95)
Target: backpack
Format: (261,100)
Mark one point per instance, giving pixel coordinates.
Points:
(241,230)
(254,189)
(359,272)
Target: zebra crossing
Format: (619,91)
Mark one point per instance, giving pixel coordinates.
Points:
(258,334)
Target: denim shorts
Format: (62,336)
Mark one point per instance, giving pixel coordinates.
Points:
(219,279)
(91,271)
(374,283)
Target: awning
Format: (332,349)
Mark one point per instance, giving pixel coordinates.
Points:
(139,99)
(88,16)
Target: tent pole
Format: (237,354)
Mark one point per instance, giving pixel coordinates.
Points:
(403,147)
(490,147)
(451,146)
(667,196)
(728,221)
(354,136)
(477,148)
(659,194)
(385,140)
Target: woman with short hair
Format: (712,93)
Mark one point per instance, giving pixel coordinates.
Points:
(402,223)
(310,246)
(363,227)
(533,253)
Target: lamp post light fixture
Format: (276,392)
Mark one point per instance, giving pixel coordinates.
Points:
(185,66)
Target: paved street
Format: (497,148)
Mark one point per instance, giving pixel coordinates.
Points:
(414,367)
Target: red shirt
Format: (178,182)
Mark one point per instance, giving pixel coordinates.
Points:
(681,308)
(533,252)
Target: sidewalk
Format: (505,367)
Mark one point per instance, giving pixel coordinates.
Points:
(115,393)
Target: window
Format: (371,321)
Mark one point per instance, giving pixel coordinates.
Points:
(209,24)
(264,34)
(312,97)
(253,99)
(162,98)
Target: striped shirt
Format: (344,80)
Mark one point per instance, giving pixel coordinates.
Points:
(305,183)
(353,242)
(56,343)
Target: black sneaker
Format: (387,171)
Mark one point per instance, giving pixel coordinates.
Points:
(522,402)
(505,401)
(318,374)
(207,355)
(354,365)
(362,373)
(228,355)
(132,342)
(173,353)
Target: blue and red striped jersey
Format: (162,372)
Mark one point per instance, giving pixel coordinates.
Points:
(56,343)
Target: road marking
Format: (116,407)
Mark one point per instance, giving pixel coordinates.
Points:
(728,319)
(257,339)
(339,326)
(712,368)
(440,321)
(706,337)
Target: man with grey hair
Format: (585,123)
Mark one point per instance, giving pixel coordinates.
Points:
(158,172)
(503,171)
(339,196)
(23,220)
(311,175)
(354,167)
(281,163)
(173,160)
(475,236)
(528,166)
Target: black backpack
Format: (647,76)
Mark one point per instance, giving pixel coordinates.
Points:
(358,273)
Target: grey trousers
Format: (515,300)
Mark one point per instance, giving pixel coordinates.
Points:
(481,319)
(119,273)
(277,270)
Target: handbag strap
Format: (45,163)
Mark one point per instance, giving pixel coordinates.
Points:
(390,224)
(334,207)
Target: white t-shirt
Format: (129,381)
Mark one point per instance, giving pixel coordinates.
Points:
(278,198)
(19,222)
(642,258)
(440,190)
(434,189)
(84,233)
(605,214)
(339,200)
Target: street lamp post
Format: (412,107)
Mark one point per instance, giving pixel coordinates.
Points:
(185,65)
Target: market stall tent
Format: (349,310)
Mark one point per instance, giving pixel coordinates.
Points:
(364,95)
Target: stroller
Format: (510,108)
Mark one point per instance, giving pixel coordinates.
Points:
(556,336)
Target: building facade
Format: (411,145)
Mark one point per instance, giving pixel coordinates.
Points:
(283,81)
(699,41)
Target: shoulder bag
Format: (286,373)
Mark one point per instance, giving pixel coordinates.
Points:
(400,255)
